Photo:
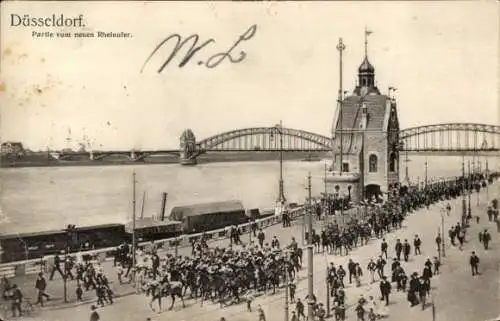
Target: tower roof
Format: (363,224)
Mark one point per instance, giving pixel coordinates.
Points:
(366,66)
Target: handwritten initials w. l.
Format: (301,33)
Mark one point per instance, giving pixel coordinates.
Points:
(212,62)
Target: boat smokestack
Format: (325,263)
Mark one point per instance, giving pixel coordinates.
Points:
(163,205)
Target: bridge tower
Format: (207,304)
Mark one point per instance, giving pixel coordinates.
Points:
(365,139)
(187,148)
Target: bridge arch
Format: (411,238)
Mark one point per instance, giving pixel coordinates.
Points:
(451,137)
(265,139)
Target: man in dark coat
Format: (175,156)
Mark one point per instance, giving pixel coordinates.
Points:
(398,248)
(56,267)
(413,289)
(474,262)
(383,248)
(486,239)
(385,290)
(406,250)
(41,285)
(417,243)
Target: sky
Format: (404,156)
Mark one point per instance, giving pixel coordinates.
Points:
(54,93)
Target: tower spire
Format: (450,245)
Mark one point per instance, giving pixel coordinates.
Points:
(367,33)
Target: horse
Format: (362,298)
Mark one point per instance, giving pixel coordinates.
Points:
(174,289)
(159,291)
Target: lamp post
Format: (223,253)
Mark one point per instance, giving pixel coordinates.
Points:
(133,223)
(469,183)
(340,48)
(327,292)
(281,193)
(442,233)
(310,268)
(487,183)
(337,194)
(477,197)
(426,171)
(464,202)
(287,253)
(326,193)
(65,276)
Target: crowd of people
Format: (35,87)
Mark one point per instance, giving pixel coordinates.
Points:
(240,272)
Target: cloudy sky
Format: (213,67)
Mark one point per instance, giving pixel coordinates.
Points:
(441,56)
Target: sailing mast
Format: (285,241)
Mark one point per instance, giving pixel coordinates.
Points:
(143,200)
(133,219)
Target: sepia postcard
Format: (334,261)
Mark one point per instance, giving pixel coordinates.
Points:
(238,161)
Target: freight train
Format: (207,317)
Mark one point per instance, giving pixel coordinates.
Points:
(187,219)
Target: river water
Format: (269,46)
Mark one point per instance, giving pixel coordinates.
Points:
(45,198)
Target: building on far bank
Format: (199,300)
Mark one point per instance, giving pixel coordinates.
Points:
(9,148)
(366,130)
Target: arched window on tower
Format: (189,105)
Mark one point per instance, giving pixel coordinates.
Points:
(392,162)
(372,163)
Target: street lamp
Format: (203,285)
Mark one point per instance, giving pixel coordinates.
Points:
(401,147)
(281,193)
(469,213)
(339,199)
(442,232)
(426,171)
(287,262)
(464,202)
(310,268)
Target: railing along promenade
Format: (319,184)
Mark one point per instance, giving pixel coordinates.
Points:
(33,266)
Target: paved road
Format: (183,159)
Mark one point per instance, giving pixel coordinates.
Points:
(458,296)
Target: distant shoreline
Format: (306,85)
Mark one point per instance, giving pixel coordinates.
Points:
(43,160)
(46,161)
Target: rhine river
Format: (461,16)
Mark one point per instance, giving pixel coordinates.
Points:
(47,198)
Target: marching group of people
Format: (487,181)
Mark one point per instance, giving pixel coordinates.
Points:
(230,275)
(241,272)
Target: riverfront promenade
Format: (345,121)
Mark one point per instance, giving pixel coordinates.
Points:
(458,295)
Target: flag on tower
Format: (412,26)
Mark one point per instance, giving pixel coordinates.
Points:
(368,32)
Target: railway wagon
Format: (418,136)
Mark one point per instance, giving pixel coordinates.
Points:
(204,217)
(23,246)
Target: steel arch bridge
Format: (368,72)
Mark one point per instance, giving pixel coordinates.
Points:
(264,139)
(447,138)
(451,137)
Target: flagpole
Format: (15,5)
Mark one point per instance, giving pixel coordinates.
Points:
(133,220)
(341,48)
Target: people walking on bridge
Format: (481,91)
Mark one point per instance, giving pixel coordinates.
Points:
(474,263)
